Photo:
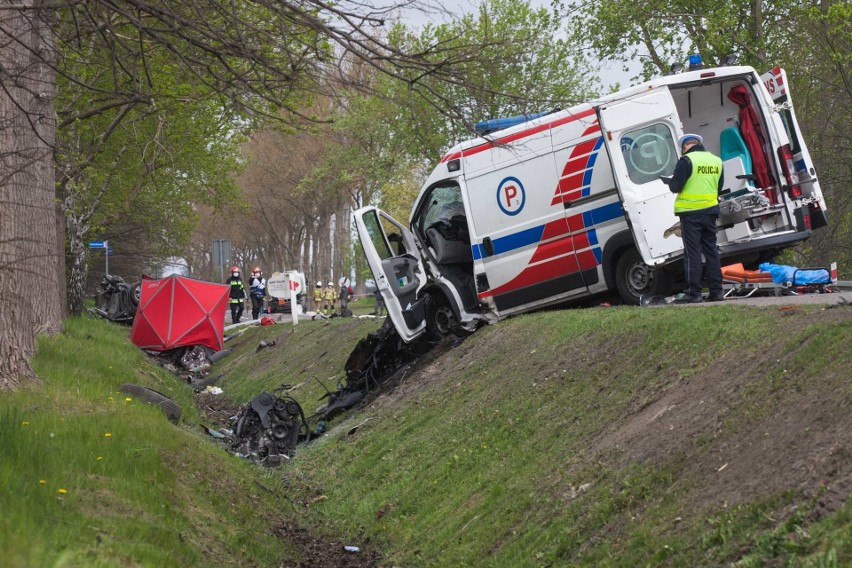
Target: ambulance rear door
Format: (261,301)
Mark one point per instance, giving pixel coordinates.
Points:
(775,82)
(640,134)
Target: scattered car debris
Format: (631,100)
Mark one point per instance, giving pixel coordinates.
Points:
(219,355)
(236,334)
(376,360)
(196,359)
(264,344)
(151,396)
(267,429)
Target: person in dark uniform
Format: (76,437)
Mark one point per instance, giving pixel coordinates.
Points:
(380,304)
(237,295)
(257,289)
(697,181)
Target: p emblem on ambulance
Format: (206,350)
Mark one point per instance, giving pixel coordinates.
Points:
(511,196)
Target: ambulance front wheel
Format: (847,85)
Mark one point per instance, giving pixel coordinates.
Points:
(440,320)
(633,278)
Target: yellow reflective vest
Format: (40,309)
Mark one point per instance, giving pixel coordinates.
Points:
(701,190)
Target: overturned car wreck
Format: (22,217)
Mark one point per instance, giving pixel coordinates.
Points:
(267,429)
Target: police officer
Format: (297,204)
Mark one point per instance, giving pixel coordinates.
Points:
(329,295)
(257,288)
(318,298)
(697,181)
(237,294)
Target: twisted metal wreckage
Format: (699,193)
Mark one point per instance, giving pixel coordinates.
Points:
(268,429)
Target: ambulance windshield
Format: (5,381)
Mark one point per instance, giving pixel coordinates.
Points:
(443,203)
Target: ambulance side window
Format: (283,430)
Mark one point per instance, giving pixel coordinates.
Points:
(649,153)
(792,133)
(377,235)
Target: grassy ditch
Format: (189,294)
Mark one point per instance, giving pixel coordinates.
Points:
(699,436)
(92,477)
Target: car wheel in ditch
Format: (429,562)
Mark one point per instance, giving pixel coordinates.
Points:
(156,398)
(633,278)
(136,293)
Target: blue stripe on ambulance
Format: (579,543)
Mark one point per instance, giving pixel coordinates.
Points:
(534,234)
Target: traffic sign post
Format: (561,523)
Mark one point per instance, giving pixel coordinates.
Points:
(221,255)
(107,250)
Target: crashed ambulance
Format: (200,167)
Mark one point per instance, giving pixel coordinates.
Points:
(572,203)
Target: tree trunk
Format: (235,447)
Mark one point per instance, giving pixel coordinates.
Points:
(31,293)
(79,269)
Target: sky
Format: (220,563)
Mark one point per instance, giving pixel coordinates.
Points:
(420,12)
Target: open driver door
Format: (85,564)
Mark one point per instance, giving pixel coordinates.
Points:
(397,269)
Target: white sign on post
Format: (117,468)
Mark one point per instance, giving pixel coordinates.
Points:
(278,285)
(294,306)
(286,285)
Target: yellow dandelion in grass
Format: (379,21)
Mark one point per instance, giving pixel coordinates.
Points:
(109,398)
(107,435)
(25,423)
(63,491)
(128,399)
(42,481)
(99,458)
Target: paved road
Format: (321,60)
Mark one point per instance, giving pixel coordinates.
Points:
(770,300)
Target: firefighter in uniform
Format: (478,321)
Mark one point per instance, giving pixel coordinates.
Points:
(257,289)
(318,298)
(237,295)
(329,295)
(697,181)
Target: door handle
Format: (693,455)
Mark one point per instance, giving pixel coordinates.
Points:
(488,246)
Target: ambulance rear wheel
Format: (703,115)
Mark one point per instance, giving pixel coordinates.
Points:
(633,278)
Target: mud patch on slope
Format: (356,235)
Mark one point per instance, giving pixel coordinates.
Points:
(317,552)
(709,428)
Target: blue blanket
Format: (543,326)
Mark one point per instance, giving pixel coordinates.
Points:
(782,274)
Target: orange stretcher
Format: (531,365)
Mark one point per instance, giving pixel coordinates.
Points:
(738,273)
(740,282)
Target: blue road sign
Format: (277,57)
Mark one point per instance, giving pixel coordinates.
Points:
(97,244)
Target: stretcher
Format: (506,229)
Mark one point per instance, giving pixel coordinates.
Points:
(739,282)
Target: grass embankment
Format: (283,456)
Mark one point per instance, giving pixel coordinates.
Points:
(700,436)
(91,477)
(688,437)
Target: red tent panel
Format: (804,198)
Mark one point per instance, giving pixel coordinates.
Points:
(178,311)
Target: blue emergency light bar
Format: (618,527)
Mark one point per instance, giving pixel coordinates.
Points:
(695,62)
(488,126)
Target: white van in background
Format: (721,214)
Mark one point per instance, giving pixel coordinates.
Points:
(571,203)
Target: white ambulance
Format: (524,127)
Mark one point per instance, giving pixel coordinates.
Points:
(572,203)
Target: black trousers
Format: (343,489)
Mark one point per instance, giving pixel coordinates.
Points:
(236,311)
(256,305)
(699,236)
